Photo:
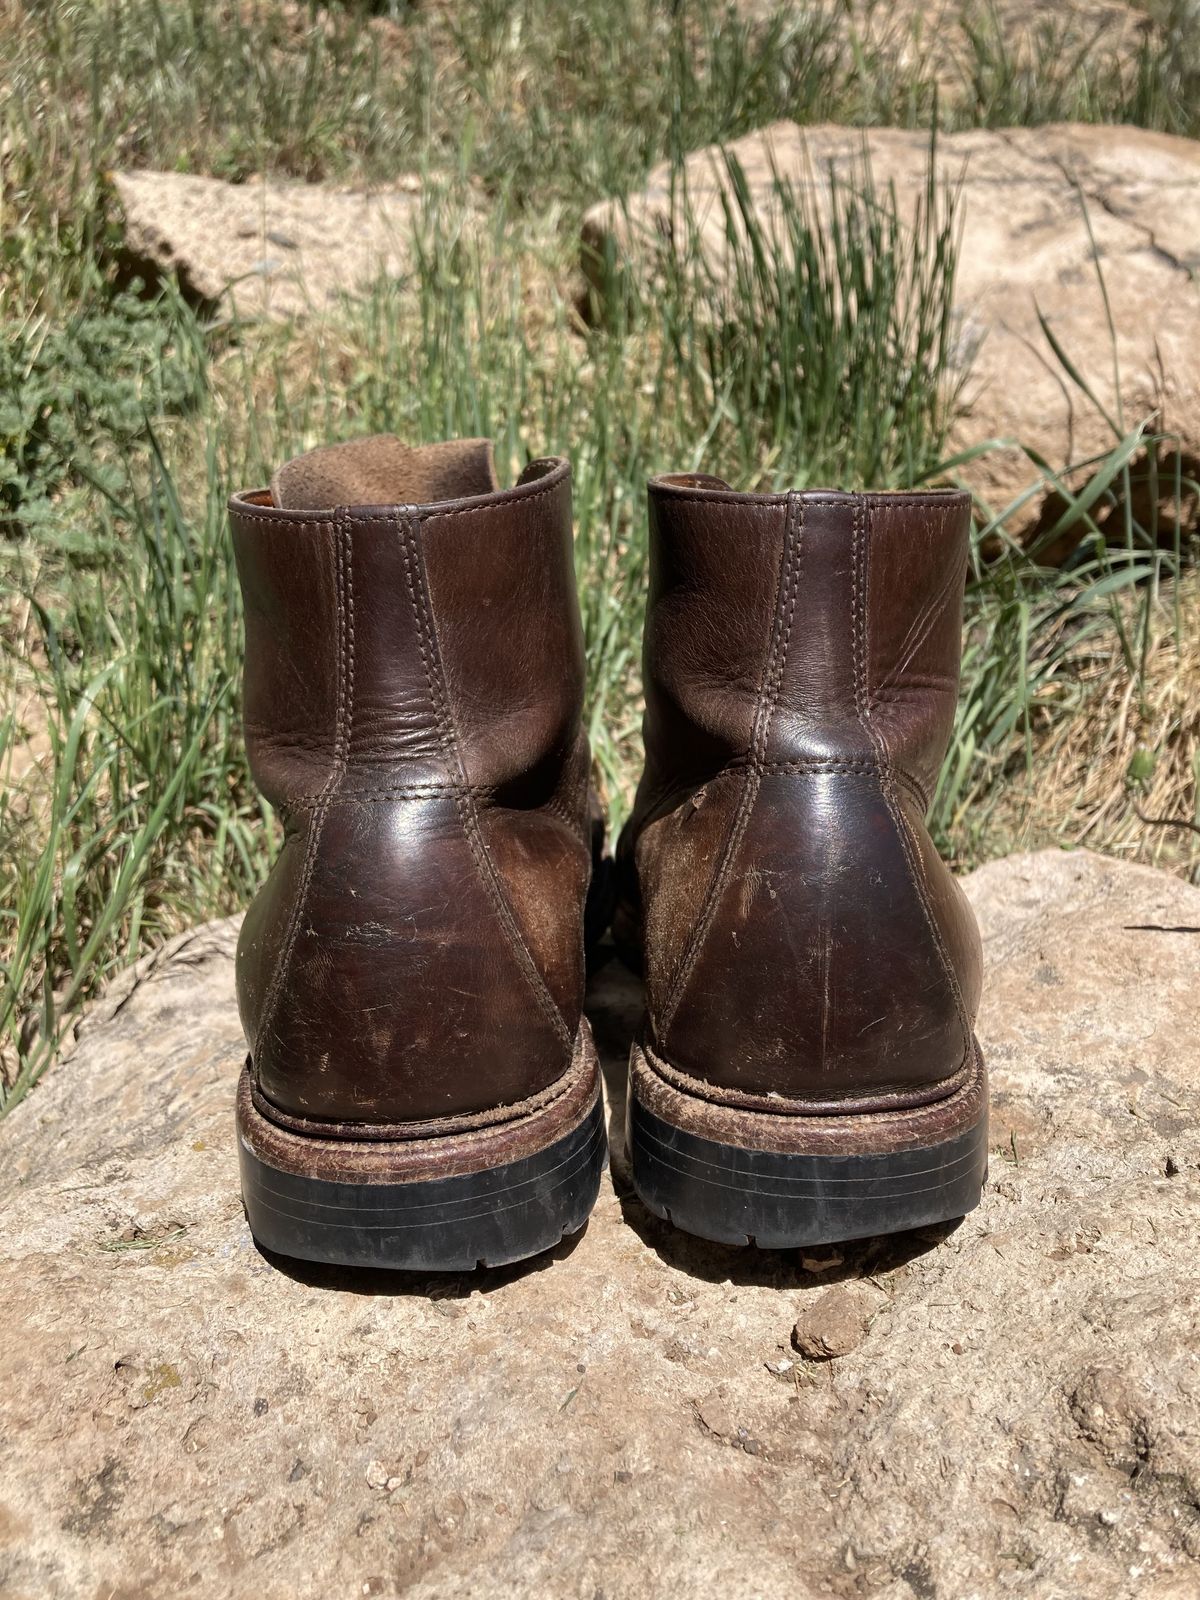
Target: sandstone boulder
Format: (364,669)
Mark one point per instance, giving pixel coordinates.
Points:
(1017,1411)
(277,249)
(1039,206)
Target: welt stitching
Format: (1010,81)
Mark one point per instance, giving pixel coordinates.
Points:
(896,1098)
(463,796)
(773,667)
(385,1132)
(965,1079)
(344,666)
(887,783)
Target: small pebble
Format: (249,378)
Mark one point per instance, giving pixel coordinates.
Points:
(837,1321)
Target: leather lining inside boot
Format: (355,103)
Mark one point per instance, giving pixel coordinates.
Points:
(383,471)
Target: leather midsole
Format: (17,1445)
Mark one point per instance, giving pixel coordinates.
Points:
(852,1133)
(410,1159)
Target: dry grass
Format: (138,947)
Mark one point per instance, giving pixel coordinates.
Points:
(1116,765)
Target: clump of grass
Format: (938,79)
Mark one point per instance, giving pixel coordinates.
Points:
(73,394)
(1168,82)
(825,331)
(1118,750)
(141,806)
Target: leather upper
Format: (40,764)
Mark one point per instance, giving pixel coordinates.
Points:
(413,691)
(802,942)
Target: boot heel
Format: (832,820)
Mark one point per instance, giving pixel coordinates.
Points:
(783,1182)
(487,1197)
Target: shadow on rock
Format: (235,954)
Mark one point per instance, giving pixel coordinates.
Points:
(614,1008)
(417,1285)
(777,1269)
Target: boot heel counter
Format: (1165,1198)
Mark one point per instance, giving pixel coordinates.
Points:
(836,960)
(374,981)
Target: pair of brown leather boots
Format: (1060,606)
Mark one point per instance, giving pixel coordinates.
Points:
(422,1090)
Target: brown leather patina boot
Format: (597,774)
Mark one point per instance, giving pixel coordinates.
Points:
(422,1090)
(808,1070)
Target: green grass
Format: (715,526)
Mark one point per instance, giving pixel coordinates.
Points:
(124,422)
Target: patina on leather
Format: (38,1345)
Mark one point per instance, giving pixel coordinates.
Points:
(805,949)
(413,690)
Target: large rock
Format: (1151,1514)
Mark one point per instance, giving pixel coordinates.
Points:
(1028,197)
(1016,1409)
(277,249)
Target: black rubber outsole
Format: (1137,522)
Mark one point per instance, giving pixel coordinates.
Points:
(489,1218)
(782,1201)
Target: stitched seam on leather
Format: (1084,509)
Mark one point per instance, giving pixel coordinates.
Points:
(343,703)
(887,781)
(270,514)
(857,765)
(464,798)
(773,668)
(766,502)
(523,498)
(907,498)
(408,791)
(915,789)
(297,525)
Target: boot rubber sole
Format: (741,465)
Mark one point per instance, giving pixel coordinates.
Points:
(742,1177)
(487,1196)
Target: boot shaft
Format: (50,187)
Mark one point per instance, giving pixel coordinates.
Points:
(410,644)
(413,688)
(802,941)
(800,628)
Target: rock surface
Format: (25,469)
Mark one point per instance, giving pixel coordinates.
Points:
(279,249)
(1025,248)
(179,1415)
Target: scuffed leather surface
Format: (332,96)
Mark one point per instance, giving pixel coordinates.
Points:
(512,580)
(416,952)
(917,577)
(802,942)
(402,1000)
(289,689)
(817,976)
(707,630)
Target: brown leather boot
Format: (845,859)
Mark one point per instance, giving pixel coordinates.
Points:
(808,1070)
(422,1090)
